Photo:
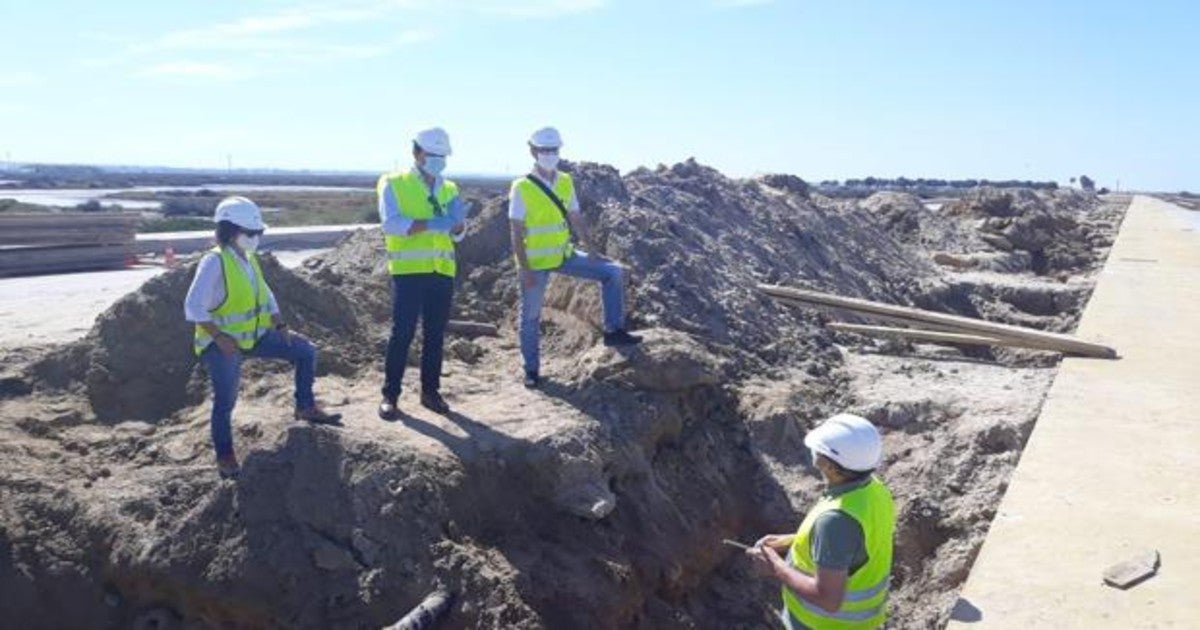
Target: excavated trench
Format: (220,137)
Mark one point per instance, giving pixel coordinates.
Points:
(599,502)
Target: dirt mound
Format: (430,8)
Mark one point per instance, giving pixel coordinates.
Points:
(695,243)
(136,363)
(1060,230)
(597,501)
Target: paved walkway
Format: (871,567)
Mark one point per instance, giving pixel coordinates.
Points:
(59,308)
(1113,465)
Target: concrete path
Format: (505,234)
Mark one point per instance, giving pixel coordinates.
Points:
(59,308)
(1113,465)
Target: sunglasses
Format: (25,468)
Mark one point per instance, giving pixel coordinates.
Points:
(252,232)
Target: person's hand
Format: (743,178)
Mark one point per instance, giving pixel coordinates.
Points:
(529,278)
(774,541)
(458,228)
(759,560)
(227,345)
(418,226)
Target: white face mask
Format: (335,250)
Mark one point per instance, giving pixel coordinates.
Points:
(547,161)
(248,244)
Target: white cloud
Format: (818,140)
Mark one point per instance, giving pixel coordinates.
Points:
(738,4)
(194,69)
(308,34)
(17,79)
(533,8)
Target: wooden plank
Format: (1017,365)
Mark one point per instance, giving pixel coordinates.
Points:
(936,336)
(35,260)
(43,219)
(67,235)
(1056,341)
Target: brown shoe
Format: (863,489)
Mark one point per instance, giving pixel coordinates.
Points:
(316,415)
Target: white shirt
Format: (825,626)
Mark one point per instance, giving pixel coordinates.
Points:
(516,206)
(208,288)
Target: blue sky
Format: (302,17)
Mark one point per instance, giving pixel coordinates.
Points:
(1017,89)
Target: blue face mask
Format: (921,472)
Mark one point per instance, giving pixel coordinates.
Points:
(434,164)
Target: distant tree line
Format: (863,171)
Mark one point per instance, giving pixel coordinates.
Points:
(902,183)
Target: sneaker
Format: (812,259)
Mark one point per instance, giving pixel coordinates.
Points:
(316,415)
(388,410)
(621,337)
(228,467)
(434,402)
(532,380)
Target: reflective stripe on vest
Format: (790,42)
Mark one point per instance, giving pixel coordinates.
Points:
(424,252)
(547,235)
(243,315)
(865,604)
(418,254)
(545,229)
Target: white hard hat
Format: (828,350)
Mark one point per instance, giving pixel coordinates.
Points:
(241,212)
(546,138)
(435,140)
(849,440)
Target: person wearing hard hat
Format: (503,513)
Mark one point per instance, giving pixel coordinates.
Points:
(422,217)
(839,562)
(236,316)
(543,210)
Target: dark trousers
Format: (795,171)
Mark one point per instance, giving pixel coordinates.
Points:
(424,295)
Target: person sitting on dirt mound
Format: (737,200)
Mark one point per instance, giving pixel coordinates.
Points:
(422,217)
(542,210)
(839,561)
(236,316)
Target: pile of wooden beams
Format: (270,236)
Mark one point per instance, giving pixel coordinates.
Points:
(933,326)
(55,242)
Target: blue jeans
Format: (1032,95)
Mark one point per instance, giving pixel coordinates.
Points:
(226,371)
(612,295)
(426,296)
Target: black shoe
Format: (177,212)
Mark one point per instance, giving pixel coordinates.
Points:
(621,337)
(532,380)
(228,468)
(388,410)
(434,402)
(316,415)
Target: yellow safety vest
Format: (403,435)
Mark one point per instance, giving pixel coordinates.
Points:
(243,315)
(425,252)
(547,235)
(865,604)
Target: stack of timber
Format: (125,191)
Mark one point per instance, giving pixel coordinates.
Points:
(934,326)
(55,242)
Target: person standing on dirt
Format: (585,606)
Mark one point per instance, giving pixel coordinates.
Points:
(542,212)
(422,217)
(839,561)
(236,316)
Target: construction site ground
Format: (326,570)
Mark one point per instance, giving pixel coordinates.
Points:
(1112,468)
(597,502)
